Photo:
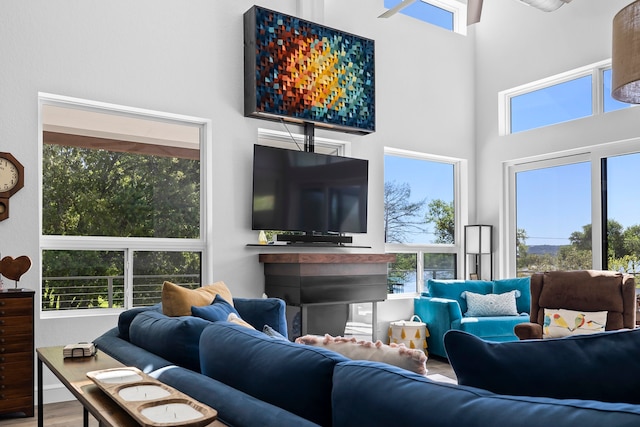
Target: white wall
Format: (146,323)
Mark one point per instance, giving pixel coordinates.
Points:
(516,44)
(185,57)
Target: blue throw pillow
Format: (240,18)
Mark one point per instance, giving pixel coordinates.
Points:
(601,366)
(453,289)
(218,310)
(522,284)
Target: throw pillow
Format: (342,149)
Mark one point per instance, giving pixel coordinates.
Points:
(562,323)
(491,304)
(392,354)
(522,284)
(216,311)
(177,300)
(234,318)
(273,333)
(594,367)
(452,289)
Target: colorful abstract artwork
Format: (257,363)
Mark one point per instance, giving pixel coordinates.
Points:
(301,71)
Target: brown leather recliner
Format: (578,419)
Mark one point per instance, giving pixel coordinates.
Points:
(585,290)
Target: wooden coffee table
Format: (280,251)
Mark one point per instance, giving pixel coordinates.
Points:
(72,373)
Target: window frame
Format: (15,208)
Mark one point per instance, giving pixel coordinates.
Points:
(128,245)
(595,70)
(460,202)
(594,155)
(456,8)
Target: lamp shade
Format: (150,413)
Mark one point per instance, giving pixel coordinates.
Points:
(478,239)
(625,56)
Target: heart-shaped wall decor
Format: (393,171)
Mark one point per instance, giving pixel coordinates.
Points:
(14,268)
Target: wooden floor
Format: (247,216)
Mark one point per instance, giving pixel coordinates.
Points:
(63,414)
(69,414)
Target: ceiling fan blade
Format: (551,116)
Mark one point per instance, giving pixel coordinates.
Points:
(397,8)
(474,10)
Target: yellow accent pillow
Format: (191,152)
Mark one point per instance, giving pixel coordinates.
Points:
(177,301)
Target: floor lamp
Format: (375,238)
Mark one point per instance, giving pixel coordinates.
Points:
(478,247)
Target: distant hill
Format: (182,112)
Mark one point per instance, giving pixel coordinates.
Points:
(543,249)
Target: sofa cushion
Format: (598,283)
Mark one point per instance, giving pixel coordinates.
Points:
(263,311)
(453,289)
(522,284)
(372,394)
(393,354)
(234,407)
(176,339)
(491,304)
(178,300)
(560,323)
(218,310)
(491,327)
(601,366)
(127,316)
(295,377)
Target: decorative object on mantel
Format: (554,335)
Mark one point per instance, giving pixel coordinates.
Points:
(11,181)
(150,402)
(478,245)
(14,268)
(625,60)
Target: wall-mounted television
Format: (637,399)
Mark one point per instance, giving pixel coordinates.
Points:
(302,72)
(313,193)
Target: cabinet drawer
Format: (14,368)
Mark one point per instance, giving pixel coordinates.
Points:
(17,346)
(16,404)
(15,306)
(18,325)
(8,358)
(15,374)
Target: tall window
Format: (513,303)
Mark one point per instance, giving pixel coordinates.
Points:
(420,219)
(553,218)
(121,207)
(622,226)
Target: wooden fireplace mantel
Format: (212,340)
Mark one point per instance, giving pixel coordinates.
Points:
(324,284)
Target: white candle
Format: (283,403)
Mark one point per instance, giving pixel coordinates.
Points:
(143,392)
(171,412)
(118,376)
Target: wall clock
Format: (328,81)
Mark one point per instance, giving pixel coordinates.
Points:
(11,181)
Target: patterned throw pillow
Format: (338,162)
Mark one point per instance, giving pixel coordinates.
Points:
(560,323)
(491,304)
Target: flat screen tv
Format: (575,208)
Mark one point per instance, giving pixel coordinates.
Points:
(302,72)
(314,193)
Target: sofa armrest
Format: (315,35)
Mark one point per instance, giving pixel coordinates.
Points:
(438,314)
(263,311)
(528,331)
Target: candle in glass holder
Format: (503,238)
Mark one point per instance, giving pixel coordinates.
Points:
(143,392)
(118,376)
(171,412)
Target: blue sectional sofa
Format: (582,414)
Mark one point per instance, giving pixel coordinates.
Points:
(443,306)
(255,379)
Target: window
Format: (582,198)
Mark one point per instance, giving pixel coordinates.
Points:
(574,212)
(447,14)
(553,217)
(122,204)
(421,211)
(568,96)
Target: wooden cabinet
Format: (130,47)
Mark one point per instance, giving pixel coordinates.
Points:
(16,352)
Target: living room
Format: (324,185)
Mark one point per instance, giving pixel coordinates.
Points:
(436,93)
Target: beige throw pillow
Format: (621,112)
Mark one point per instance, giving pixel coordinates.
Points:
(177,301)
(393,354)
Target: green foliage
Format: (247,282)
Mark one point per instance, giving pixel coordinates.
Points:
(442,214)
(94,192)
